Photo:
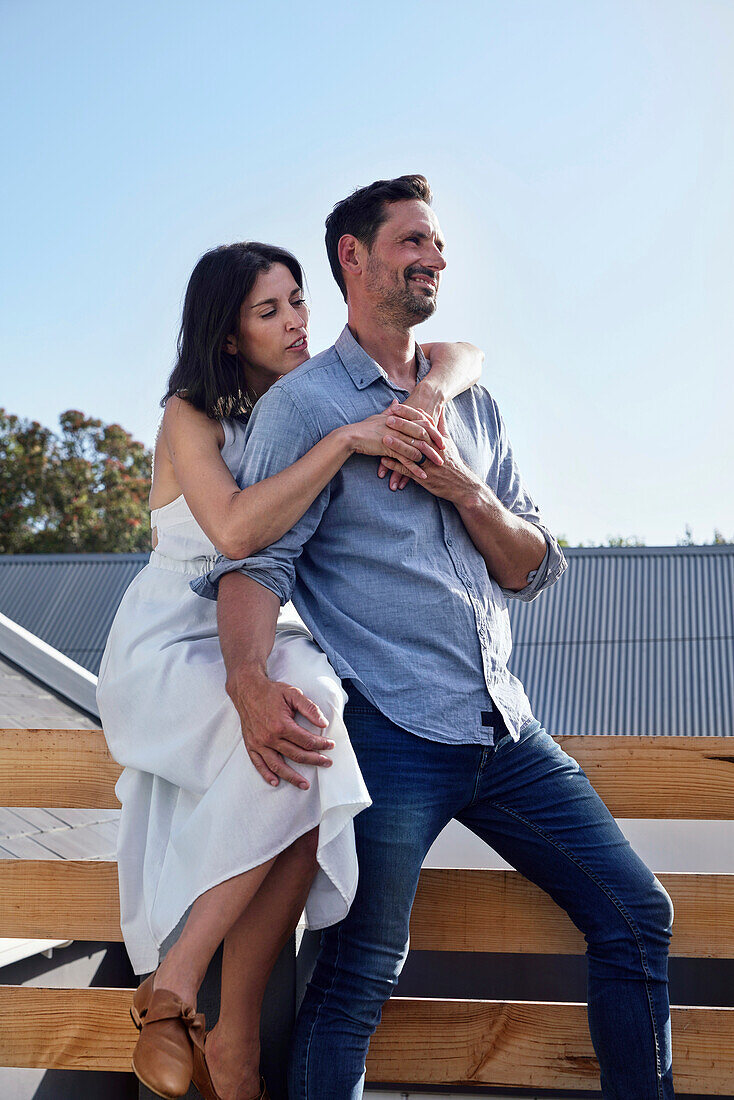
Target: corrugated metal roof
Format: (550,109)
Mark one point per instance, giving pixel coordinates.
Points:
(67,600)
(632,641)
(637,640)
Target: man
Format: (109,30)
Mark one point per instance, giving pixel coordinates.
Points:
(405,592)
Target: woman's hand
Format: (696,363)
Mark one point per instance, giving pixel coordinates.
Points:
(402,433)
(455,367)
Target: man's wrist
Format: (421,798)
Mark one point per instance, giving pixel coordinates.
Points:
(245,674)
(468,492)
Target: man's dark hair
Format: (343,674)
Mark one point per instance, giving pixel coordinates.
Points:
(362,213)
(208,376)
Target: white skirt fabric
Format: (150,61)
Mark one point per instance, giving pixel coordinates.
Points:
(194,809)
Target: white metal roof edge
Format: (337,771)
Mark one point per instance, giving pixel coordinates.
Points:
(48,665)
(12,951)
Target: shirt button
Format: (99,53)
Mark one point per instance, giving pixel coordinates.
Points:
(469,584)
(449,542)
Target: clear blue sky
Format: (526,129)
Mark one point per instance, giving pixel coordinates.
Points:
(582,159)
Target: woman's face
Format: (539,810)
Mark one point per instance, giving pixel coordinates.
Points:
(273,336)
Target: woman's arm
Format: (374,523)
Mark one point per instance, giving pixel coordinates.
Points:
(241,521)
(454,368)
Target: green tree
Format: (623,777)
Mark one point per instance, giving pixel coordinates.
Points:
(622,541)
(719,539)
(82,490)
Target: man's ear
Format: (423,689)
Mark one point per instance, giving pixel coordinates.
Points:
(350,254)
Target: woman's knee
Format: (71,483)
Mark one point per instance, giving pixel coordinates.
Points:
(323,689)
(298,661)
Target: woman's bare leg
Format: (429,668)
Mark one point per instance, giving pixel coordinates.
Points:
(251,948)
(212,915)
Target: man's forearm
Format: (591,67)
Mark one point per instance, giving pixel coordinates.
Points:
(511,546)
(247,614)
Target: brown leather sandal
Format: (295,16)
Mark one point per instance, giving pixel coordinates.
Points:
(163,1058)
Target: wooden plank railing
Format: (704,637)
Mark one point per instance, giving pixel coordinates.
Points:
(421,1042)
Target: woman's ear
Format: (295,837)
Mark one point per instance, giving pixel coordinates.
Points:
(230,345)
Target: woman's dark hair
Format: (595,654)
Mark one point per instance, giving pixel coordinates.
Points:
(363,212)
(205,373)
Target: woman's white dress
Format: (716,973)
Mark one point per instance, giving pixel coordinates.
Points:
(194,809)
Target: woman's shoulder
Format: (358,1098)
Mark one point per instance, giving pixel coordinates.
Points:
(181,420)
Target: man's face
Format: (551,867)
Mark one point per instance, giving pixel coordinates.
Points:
(404,265)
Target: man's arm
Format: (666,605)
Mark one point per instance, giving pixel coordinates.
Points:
(277,437)
(521,554)
(246,615)
(511,546)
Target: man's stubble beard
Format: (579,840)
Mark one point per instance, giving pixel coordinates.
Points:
(401,307)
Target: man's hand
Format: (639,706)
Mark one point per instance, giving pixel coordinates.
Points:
(267,711)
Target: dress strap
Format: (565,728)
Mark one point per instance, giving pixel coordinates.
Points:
(228,430)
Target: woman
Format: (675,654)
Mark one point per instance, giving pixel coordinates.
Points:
(199,828)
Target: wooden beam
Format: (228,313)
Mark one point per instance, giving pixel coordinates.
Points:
(64,768)
(78,898)
(420,1042)
(659,777)
(532,1045)
(500,911)
(454,910)
(66,1028)
(653,777)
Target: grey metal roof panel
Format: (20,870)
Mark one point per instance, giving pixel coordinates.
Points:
(644,594)
(635,641)
(679,688)
(67,600)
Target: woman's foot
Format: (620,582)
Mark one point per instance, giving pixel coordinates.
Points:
(163,1058)
(234,1067)
(175,974)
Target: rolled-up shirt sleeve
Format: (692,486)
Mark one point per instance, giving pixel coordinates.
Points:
(514,495)
(278,435)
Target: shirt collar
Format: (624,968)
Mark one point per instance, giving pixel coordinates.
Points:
(362,369)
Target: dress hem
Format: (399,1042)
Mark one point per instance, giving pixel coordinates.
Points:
(316,925)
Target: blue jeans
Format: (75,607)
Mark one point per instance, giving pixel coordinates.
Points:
(534,805)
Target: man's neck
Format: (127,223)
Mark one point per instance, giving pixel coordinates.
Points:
(392,348)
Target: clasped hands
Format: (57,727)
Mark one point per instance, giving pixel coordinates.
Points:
(412,444)
(443,473)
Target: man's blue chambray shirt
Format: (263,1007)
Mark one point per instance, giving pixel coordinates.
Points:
(389,583)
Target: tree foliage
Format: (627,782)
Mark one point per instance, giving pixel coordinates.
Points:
(84,489)
(623,541)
